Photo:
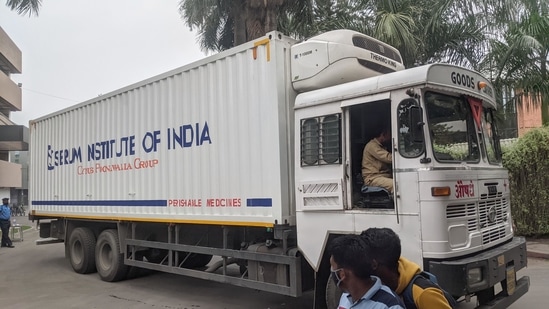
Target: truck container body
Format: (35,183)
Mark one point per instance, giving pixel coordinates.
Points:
(204,144)
(253,156)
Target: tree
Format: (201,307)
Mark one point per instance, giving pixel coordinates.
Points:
(215,21)
(424,31)
(225,23)
(518,56)
(23,7)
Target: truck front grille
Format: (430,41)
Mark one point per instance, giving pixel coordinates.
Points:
(487,216)
(466,211)
(492,211)
(491,235)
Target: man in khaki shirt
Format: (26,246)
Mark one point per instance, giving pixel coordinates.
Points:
(376,162)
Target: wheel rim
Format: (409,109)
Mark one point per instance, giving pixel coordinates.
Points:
(105,256)
(77,252)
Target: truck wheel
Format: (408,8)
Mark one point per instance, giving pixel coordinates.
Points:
(81,249)
(108,259)
(333,294)
(196,260)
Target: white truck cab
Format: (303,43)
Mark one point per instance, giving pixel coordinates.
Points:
(451,204)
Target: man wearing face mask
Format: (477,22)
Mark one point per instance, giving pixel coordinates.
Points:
(351,268)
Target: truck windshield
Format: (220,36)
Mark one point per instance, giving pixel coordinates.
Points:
(452,128)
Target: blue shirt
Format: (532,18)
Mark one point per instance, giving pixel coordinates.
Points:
(378,296)
(5,212)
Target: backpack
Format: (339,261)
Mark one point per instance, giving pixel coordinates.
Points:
(431,281)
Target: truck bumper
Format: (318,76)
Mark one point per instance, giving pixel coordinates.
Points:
(479,274)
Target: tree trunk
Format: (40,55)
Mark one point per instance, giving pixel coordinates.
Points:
(261,16)
(271,14)
(239,17)
(255,18)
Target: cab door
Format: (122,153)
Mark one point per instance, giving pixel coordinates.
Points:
(364,117)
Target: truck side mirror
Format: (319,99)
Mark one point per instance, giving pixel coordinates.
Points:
(416,123)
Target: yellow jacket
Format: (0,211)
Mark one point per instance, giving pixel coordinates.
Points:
(425,297)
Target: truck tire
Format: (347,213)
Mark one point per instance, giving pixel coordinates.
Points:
(333,294)
(81,249)
(108,259)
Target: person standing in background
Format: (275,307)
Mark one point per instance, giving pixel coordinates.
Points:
(5,215)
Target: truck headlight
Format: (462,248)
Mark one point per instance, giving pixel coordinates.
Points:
(474,275)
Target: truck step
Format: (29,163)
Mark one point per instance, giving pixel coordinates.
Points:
(46,241)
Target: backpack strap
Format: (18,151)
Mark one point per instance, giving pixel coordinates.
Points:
(428,280)
(407,296)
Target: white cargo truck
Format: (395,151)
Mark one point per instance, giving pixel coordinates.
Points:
(241,168)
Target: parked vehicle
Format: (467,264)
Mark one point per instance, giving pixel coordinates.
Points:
(253,156)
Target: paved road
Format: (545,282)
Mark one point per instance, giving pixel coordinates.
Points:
(34,276)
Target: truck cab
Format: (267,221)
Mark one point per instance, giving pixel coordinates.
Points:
(451,204)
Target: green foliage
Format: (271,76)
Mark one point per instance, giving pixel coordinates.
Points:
(507,144)
(528,165)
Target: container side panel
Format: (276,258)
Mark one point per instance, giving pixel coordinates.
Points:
(204,145)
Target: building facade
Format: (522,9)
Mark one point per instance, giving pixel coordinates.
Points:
(529,114)
(13,137)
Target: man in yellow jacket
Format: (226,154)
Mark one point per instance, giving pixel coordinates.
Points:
(398,272)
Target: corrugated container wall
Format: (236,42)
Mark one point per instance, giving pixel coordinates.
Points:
(208,143)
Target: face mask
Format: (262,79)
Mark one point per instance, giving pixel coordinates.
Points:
(335,277)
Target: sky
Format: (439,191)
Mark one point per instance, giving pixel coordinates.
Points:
(75,50)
